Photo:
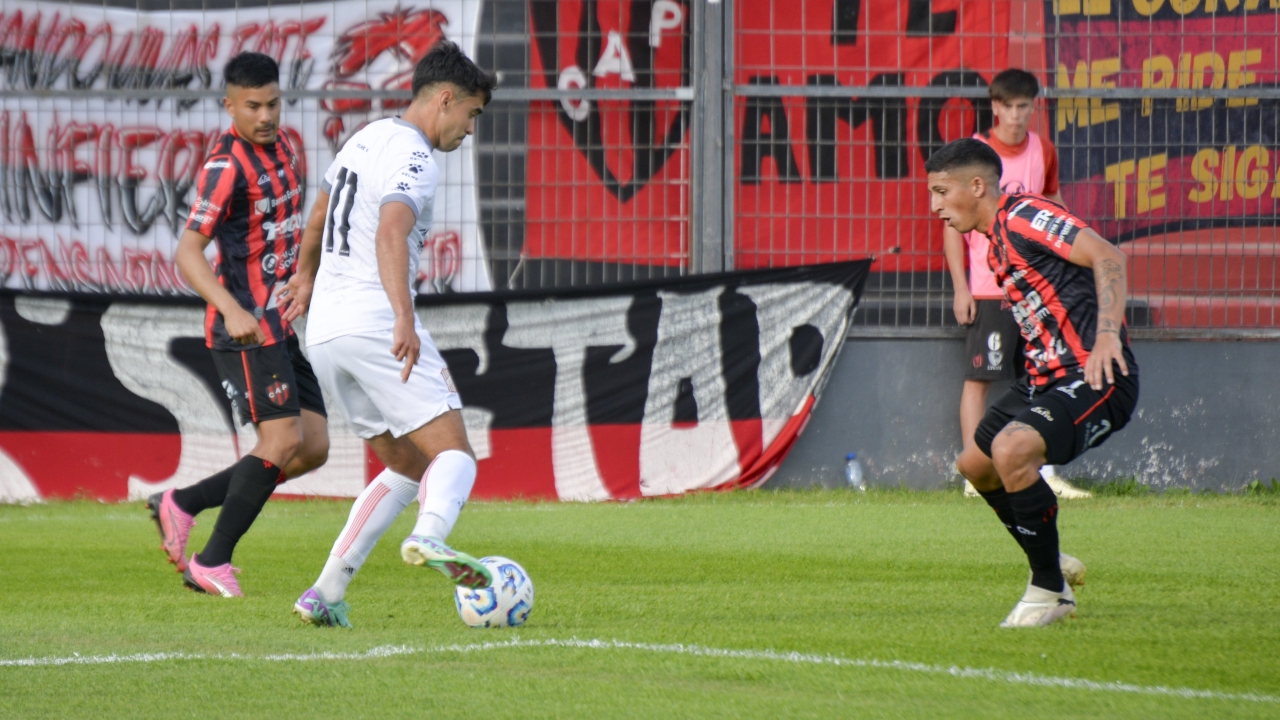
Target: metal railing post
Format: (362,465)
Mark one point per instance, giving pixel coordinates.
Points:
(706,186)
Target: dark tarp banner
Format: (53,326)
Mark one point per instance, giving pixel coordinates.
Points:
(622,391)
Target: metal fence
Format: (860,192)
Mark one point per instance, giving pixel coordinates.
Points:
(640,139)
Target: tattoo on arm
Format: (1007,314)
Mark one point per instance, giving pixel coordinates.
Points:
(1109,276)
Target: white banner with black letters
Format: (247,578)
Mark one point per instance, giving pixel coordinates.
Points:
(94,190)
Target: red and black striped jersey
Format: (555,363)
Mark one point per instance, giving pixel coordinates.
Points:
(249,200)
(1054,301)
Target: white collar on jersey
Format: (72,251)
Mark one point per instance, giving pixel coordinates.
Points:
(416,129)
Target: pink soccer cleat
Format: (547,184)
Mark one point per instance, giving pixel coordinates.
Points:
(174,526)
(220,580)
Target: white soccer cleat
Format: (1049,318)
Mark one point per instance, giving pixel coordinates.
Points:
(1039,607)
(970,490)
(1060,487)
(1072,570)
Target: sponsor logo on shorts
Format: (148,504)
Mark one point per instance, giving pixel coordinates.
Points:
(278,392)
(1094,433)
(1071,389)
(233,396)
(977,361)
(1043,412)
(448,380)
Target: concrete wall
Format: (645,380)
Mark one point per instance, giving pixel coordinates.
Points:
(1208,417)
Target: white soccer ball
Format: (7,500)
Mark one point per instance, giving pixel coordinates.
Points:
(506,603)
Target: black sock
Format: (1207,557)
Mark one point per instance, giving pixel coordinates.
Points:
(209,492)
(999,501)
(1036,510)
(252,482)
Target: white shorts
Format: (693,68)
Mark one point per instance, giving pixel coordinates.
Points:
(361,377)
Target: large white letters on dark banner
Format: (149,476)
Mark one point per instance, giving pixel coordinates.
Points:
(624,391)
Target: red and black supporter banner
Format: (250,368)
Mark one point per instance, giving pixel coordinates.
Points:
(633,390)
(608,180)
(1140,167)
(822,179)
(819,179)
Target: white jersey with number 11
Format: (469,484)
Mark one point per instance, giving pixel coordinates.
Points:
(387,161)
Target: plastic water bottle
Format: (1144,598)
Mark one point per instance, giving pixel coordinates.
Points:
(853,473)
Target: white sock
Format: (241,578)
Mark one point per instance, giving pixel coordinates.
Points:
(444,490)
(372,513)
(333,581)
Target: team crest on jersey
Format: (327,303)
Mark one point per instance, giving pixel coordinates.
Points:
(399,38)
(594,45)
(278,392)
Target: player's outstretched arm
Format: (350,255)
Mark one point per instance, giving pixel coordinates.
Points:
(395,221)
(954,248)
(1109,275)
(296,293)
(195,268)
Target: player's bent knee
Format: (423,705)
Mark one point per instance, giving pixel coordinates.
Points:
(978,469)
(972,464)
(1010,451)
(315,455)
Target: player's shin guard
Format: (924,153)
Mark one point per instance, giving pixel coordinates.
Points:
(444,490)
(252,482)
(1036,510)
(208,493)
(378,506)
(998,499)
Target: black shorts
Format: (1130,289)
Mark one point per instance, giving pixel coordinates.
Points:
(994,344)
(1071,416)
(280,376)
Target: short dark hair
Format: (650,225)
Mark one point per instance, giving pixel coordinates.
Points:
(964,153)
(446,63)
(251,70)
(1013,84)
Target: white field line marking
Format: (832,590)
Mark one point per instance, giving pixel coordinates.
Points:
(386,651)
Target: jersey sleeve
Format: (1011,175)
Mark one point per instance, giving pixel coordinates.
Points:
(411,179)
(1044,225)
(330,177)
(1051,184)
(214,191)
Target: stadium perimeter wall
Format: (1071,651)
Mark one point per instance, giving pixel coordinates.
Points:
(1206,417)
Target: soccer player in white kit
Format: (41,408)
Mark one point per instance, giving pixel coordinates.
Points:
(373,358)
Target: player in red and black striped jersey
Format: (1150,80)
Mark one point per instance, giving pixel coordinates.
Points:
(249,202)
(1067,287)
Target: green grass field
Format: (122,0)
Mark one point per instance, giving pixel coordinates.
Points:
(890,601)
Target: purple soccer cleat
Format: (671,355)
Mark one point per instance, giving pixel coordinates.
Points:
(459,567)
(174,525)
(311,609)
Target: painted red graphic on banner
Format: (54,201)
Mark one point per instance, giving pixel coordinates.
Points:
(609,179)
(404,35)
(823,179)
